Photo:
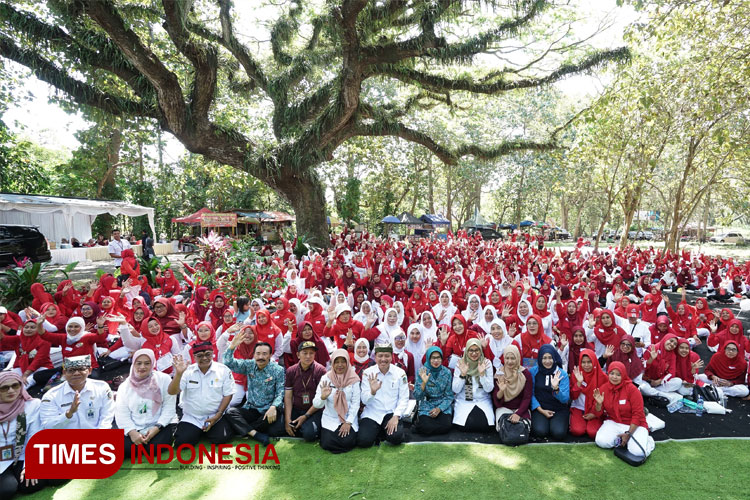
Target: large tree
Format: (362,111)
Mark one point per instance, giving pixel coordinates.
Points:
(315,82)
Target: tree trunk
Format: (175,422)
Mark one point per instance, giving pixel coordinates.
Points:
(107,185)
(577,231)
(430,186)
(307,197)
(629,214)
(564,209)
(448,197)
(519,198)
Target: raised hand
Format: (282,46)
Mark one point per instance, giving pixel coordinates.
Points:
(482,368)
(501,383)
(563,341)
(179,364)
(181,319)
(506,311)
(74,405)
(697,366)
(653,352)
(375,384)
(598,396)
(444,334)
(512,330)
(424,375)
(463,367)
(578,375)
(555,381)
(609,351)
(325,390)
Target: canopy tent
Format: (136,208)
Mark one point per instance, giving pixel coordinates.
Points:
(59,218)
(435,220)
(507,226)
(193,219)
(478,221)
(527,223)
(407,218)
(257,216)
(390,219)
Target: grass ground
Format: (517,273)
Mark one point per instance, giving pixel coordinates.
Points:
(714,469)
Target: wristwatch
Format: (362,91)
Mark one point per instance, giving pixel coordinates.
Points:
(159,426)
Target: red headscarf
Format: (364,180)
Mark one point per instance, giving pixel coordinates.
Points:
(58,319)
(217,313)
(624,391)
(160,344)
(683,364)
(199,310)
(321,355)
(608,335)
(632,363)
(267,332)
(594,379)
(574,350)
(168,322)
(211,338)
(726,367)
(542,312)
(531,343)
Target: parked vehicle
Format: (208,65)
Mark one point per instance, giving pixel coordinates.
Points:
(487,233)
(18,241)
(730,237)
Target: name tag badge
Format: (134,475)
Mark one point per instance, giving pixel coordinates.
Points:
(305,399)
(90,413)
(623,401)
(6,452)
(192,382)
(68,348)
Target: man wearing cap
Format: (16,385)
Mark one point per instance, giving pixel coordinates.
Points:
(385,394)
(80,402)
(636,328)
(300,416)
(261,415)
(207,388)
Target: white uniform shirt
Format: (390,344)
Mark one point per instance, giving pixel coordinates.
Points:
(8,437)
(392,397)
(639,331)
(482,396)
(133,412)
(96,408)
(202,392)
(116,247)
(330,419)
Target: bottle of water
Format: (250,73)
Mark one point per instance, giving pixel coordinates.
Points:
(699,410)
(674,406)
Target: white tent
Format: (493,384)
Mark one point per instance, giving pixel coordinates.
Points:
(59,218)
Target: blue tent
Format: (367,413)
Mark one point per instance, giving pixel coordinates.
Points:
(390,219)
(527,223)
(435,220)
(507,226)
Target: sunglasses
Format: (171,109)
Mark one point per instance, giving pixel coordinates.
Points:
(12,387)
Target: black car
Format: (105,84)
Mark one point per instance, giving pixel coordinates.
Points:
(18,241)
(487,233)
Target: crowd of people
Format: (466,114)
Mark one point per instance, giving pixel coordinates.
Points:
(467,334)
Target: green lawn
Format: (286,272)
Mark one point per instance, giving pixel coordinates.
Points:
(679,470)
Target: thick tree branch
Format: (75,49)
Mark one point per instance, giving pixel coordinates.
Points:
(203,59)
(439,83)
(81,92)
(166,83)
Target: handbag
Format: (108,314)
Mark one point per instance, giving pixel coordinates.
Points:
(708,392)
(513,434)
(623,454)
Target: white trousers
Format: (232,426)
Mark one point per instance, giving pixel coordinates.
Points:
(735,391)
(606,437)
(668,389)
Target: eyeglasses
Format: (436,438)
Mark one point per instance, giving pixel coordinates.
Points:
(206,354)
(11,387)
(730,348)
(475,351)
(76,369)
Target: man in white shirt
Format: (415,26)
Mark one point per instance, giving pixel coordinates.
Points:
(385,394)
(116,246)
(207,389)
(80,402)
(636,328)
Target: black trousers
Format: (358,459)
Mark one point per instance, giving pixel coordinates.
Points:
(244,420)
(428,425)
(331,441)
(10,482)
(371,431)
(476,422)
(164,436)
(555,427)
(310,429)
(187,433)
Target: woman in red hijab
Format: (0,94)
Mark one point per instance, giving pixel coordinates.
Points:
(169,284)
(606,332)
(218,306)
(570,352)
(282,317)
(660,377)
(628,356)
(166,315)
(587,376)
(417,303)
(703,317)
(197,306)
(688,364)
(67,297)
(458,337)
(130,267)
(532,340)
(727,371)
(204,332)
(40,296)
(32,353)
(267,331)
(54,316)
(734,331)
(621,406)
(151,336)
(246,350)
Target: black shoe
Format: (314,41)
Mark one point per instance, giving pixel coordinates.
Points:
(262,438)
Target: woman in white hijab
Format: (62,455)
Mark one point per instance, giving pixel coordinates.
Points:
(389,327)
(473,309)
(400,308)
(429,327)
(523,312)
(489,314)
(444,309)
(299,311)
(415,344)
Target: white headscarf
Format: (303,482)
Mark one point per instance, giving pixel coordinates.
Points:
(75,320)
(301,311)
(387,332)
(467,312)
(482,321)
(361,316)
(400,309)
(361,340)
(416,349)
(429,335)
(523,319)
(449,310)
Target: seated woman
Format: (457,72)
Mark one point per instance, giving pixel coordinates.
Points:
(338,395)
(726,371)
(473,384)
(621,405)
(434,395)
(570,352)
(76,342)
(360,358)
(19,413)
(144,409)
(587,376)
(627,354)
(32,354)
(514,387)
(688,364)
(660,378)
(549,403)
